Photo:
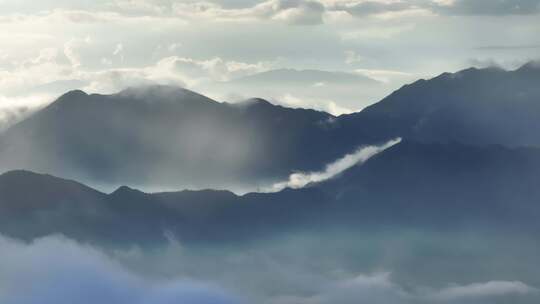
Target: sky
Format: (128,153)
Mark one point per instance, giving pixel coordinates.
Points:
(104,46)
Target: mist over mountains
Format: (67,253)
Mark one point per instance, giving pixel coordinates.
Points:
(462,149)
(447,214)
(166,136)
(170,138)
(410,184)
(415,216)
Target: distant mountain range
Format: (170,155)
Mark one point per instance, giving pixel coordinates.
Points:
(163,137)
(352,91)
(306,77)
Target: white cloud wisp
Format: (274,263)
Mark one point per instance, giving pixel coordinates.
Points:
(301,179)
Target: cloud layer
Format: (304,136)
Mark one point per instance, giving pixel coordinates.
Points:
(379,288)
(57,270)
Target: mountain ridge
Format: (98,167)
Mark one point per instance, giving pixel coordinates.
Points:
(177,138)
(410,184)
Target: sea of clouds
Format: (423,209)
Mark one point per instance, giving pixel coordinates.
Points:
(58,270)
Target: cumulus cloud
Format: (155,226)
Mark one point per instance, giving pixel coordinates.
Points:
(52,72)
(300,179)
(313,11)
(48,66)
(173,70)
(141,7)
(71,50)
(367,8)
(291,11)
(300,12)
(215,68)
(359,8)
(329,106)
(57,270)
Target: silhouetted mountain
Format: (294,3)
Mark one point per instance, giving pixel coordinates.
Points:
(168,137)
(473,106)
(435,186)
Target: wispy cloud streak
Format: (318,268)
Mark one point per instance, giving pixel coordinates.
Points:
(301,179)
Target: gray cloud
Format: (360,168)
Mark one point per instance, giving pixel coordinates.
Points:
(367,8)
(60,271)
(451,7)
(397,266)
(490,7)
(295,12)
(269,7)
(380,267)
(301,12)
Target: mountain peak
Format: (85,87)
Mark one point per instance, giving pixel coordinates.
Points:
(15,174)
(167,93)
(71,97)
(125,190)
(74,94)
(257,102)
